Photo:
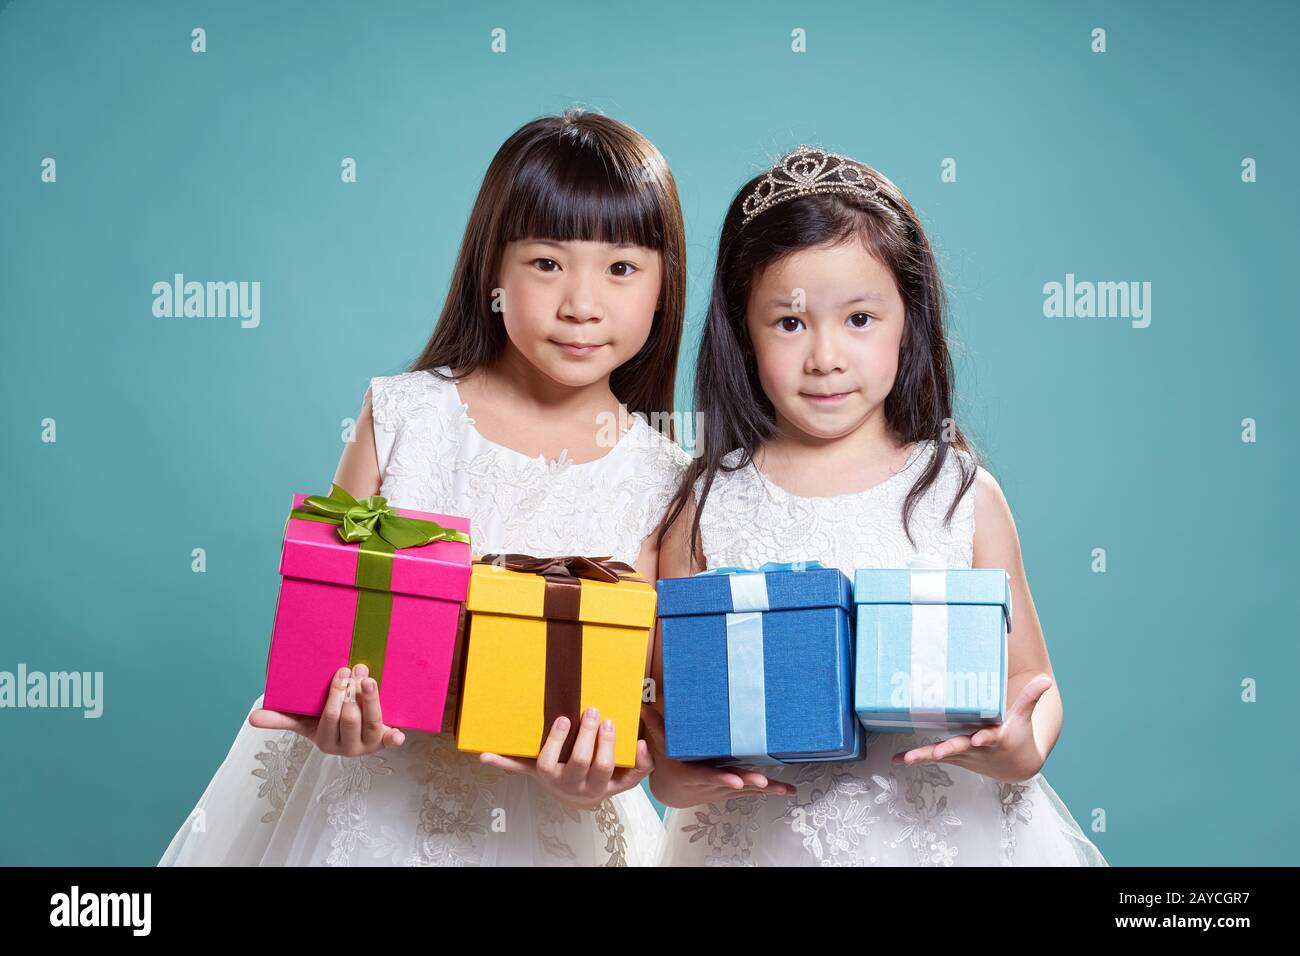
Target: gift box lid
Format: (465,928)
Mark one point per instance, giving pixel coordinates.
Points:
(440,569)
(930,585)
(773,587)
(498,590)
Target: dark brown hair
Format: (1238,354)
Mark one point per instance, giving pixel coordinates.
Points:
(579,176)
(737,414)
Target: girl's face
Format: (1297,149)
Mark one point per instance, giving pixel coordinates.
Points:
(829,367)
(577,310)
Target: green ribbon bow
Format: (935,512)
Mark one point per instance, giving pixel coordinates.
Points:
(379,531)
(359,520)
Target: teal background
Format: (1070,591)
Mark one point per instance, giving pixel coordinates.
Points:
(176,434)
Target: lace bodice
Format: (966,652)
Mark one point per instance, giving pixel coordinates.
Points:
(432,458)
(860,530)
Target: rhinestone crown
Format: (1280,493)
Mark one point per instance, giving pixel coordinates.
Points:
(808,170)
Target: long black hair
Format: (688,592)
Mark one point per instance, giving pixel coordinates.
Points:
(578,176)
(737,414)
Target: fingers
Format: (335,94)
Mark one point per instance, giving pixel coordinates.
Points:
(728,781)
(1029,696)
(548,758)
(327,731)
(579,762)
(765,784)
(755,781)
(393,737)
(275,720)
(645,761)
(602,767)
(372,718)
(509,764)
(952,747)
(350,714)
(956,746)
(915,755)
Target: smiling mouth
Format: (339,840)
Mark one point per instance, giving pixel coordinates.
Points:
(826,397)
(580,348)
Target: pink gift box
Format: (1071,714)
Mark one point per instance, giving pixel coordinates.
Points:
(312,637)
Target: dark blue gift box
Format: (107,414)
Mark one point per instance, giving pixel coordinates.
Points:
(757,665)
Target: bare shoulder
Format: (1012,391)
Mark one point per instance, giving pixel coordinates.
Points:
(996,543)
(358,469)
(674,554)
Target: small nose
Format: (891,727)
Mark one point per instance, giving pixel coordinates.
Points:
(824,357)
(580,301)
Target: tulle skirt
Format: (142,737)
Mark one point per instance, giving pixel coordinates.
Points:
(874,813)
(277,800)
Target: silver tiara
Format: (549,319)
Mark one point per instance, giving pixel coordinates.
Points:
(808,170)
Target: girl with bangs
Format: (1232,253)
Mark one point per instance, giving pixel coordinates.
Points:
(526,412)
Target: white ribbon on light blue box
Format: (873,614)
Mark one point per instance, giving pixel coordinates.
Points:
(929,595)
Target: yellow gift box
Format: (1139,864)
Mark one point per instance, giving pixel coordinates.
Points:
(548,637)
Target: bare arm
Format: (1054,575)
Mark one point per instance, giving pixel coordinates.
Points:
(358,471)
(1015,749)
(997,545)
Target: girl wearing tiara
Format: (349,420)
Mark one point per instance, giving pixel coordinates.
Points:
(826,387)
(564,314)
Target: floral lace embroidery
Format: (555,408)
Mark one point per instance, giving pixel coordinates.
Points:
(845,531)
(515,503)
(346,811)
(611,828)
(1016,807)
(281,761)
(455,803)
(729,828)
(925,822)
(552,815)
(835,818)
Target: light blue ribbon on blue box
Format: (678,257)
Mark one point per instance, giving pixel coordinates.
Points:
(746,682)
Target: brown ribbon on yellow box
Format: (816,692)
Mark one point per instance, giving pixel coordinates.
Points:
(561,605)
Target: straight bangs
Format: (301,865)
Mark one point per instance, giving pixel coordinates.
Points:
(586,191)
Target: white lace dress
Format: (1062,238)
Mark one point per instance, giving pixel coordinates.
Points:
(869,812)
(276,800)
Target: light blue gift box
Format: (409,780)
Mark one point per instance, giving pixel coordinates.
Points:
(757,665)
(931,647)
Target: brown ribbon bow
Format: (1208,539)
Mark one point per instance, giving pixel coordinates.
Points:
(560,606)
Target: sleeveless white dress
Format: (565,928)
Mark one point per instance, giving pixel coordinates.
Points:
(277,800)
(868,812)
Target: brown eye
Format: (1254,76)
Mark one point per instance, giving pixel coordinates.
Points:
(623,269)
(789,318)
(866,322)
(545,264)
